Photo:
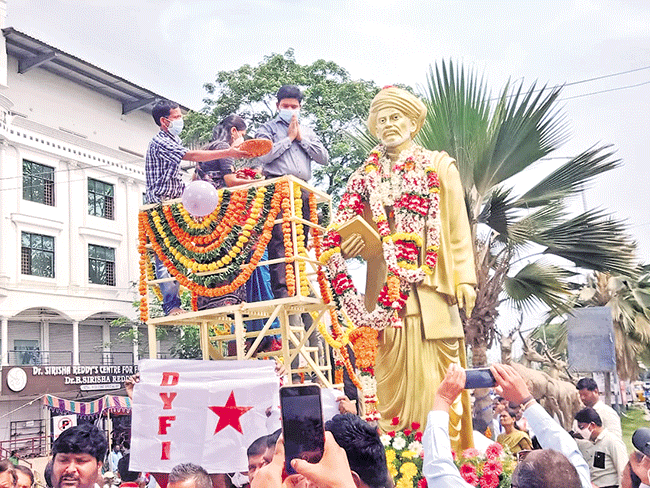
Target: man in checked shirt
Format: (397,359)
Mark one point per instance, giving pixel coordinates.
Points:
(162,167)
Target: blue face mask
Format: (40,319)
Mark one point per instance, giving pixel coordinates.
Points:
(175,126)
(287,114)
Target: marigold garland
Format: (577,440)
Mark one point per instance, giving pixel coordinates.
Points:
(241,227)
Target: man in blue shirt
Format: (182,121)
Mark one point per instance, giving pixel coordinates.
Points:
(295,146)
(163,174)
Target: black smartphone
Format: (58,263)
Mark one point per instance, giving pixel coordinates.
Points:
(479,378)
(302,424)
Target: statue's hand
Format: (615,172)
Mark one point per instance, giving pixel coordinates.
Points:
(466,296)
(352,246)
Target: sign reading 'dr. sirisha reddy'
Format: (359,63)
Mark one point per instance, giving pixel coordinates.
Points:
(203,412)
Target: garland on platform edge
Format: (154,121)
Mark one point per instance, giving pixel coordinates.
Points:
(232,239)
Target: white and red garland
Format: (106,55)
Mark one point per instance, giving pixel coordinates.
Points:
(411,188)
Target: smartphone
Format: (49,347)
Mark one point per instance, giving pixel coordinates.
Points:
(302,424)
(479,378)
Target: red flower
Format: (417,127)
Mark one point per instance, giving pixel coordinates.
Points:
(468,472)
(422,483)
(471,453)
(418,436)
(391,433)
(489,480)
(493,466)
(454,456)
(395,421)
(493,451)
(407,432)
(415,425)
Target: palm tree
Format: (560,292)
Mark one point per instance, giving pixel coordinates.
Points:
(498,140)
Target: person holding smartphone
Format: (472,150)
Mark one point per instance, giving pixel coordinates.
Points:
(559,463)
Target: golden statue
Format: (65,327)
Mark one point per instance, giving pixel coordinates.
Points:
(414,199)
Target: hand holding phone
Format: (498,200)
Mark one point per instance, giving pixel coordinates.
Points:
(302,424)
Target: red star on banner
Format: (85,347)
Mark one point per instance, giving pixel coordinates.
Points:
(229,414)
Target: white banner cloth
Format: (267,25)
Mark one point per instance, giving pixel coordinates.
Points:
(203,412)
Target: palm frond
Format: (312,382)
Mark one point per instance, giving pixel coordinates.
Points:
(524,128)
(571,177)
(539,283)
(458,116)
(497,212)
(363,138)
(548,216)
(592,240)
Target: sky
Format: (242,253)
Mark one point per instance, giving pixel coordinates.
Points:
(173,47)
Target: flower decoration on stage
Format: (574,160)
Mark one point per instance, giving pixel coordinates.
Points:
(216,254)
(412,189)
(492,469)
(404,455)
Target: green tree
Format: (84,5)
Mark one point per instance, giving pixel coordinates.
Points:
(333,104)
(496,141)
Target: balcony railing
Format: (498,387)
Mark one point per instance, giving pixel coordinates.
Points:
(38,358)
(105,357)
(64,358)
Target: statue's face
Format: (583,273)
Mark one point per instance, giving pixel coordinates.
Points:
(393,127)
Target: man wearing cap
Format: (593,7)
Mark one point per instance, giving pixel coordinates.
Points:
(604,452)
(590,396)
(640,459)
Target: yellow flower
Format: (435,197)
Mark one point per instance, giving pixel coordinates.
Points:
(392,471)
(409,469)
(390,456)
(409,454)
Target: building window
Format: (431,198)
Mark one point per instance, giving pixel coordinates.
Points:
(38,183)
(37,255)
(100,199)
(101,265)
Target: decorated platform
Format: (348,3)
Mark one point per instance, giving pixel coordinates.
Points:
(216,254)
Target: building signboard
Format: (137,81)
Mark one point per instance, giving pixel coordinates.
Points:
(40,380)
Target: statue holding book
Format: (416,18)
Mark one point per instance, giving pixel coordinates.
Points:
(413,199)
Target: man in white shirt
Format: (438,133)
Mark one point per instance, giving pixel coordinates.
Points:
(604,452)
(558,464)
(590,396)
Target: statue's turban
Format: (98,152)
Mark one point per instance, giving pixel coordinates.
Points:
(407,103)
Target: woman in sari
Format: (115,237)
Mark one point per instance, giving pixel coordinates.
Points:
(513,439)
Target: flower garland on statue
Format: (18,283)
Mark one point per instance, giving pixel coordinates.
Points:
(412,188)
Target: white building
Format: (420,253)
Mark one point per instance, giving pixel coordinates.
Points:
(72,144)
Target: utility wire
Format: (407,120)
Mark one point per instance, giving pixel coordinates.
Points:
(606,91)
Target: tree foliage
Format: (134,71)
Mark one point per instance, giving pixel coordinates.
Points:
(333,104)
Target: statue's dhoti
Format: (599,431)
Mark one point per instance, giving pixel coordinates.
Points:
(410,367)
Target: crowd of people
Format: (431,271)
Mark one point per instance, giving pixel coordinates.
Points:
(354,456)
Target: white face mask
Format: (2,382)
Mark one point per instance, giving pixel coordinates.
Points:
(585,433)
(175,126)
(239,479)
(287,114)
